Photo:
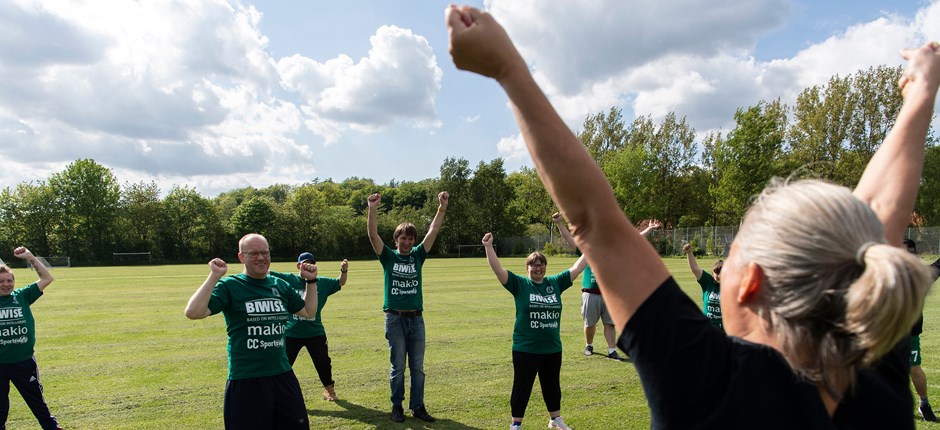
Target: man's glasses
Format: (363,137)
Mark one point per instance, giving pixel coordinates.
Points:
(256,254)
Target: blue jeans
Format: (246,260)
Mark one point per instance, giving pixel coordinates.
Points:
(406,338)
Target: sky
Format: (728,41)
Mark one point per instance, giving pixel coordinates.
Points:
(217,94)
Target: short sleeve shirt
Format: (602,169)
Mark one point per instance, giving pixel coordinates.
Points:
(538,312)
(695,376)
(403,278)
(17,326)
(256,313)
(298,326)
(711,298)
(588,281)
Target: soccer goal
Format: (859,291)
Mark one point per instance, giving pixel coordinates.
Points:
(50,262)
(470,251)
(131,258)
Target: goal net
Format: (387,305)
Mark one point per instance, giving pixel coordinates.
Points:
(470,251)
(131,258)
(51,262)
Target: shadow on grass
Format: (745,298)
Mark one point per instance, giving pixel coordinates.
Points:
(380,418)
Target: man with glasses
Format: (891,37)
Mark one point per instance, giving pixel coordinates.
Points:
(711,291)
(262,391)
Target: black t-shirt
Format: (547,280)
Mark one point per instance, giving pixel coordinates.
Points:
(696,377)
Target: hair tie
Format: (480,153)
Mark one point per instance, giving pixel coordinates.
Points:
(860,254)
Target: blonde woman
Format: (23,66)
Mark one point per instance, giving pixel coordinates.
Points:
(817,314)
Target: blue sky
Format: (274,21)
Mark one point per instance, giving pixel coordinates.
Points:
(218,94)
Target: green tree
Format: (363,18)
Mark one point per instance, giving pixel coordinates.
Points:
(192,229)
(88,196)
(455,179)
(492,196)
(139,218)
(531,201)
(254,216)
(751,155)
(28,216)
(603,134)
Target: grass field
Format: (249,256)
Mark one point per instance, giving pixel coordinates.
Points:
(116,352)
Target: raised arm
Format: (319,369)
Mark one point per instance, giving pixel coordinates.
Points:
(578,267)
(693,264)
(198,306)
(308,271)
(891,179)
(45,277)
(372,225)
(571,177)
(501,274)
(435,228)
(563,230)
(343,268)
(653,225)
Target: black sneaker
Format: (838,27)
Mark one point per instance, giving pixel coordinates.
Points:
(927,412)
(398,414)
(589,350)
(422,414)
(614,356)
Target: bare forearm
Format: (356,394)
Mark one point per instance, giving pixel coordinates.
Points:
(373,229)
(198,305)
(892,177)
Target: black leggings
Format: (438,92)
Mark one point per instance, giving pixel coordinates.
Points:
(319,352)
(25,377)
(525,366)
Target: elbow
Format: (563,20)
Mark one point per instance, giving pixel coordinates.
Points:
(193,314)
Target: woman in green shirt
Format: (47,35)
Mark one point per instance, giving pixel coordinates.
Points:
(536,342)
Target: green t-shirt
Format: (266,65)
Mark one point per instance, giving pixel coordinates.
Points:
(711,299)
(588,281)
(17,326)
(403,278)
(300,327)
(256,312)
(538,312)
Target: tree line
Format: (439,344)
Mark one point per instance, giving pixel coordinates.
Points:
(661,170)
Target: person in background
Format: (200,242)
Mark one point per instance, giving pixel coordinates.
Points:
(918,377)
(711,289)
(309,333)
(592,302)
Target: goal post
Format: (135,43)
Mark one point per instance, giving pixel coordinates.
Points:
(128,258)
(52,261)
(469,251)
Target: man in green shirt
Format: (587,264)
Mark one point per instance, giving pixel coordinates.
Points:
(309,333)
(262,391)
(17,339)
(711,290)
(404,325)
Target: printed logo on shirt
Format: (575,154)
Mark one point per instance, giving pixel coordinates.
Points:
(404,287)
(540,299)
(275,292)
(544,319)
(11,314)
(261,307)
(714,296)
(550,290)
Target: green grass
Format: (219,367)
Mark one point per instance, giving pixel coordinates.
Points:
(116,352)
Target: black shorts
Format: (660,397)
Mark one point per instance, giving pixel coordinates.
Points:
(270,402)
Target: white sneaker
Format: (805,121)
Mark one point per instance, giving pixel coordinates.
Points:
(558,423)
(515,427)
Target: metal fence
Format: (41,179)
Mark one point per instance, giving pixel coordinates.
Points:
(712,241)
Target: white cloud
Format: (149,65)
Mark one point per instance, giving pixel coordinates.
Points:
(512,148)
(397,82)
(470,119)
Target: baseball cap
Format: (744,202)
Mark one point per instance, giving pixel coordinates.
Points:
(306,257)
(910,243)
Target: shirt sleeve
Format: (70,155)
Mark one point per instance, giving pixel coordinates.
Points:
(220,299)
(682,360)
(512,283)
(292,298)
